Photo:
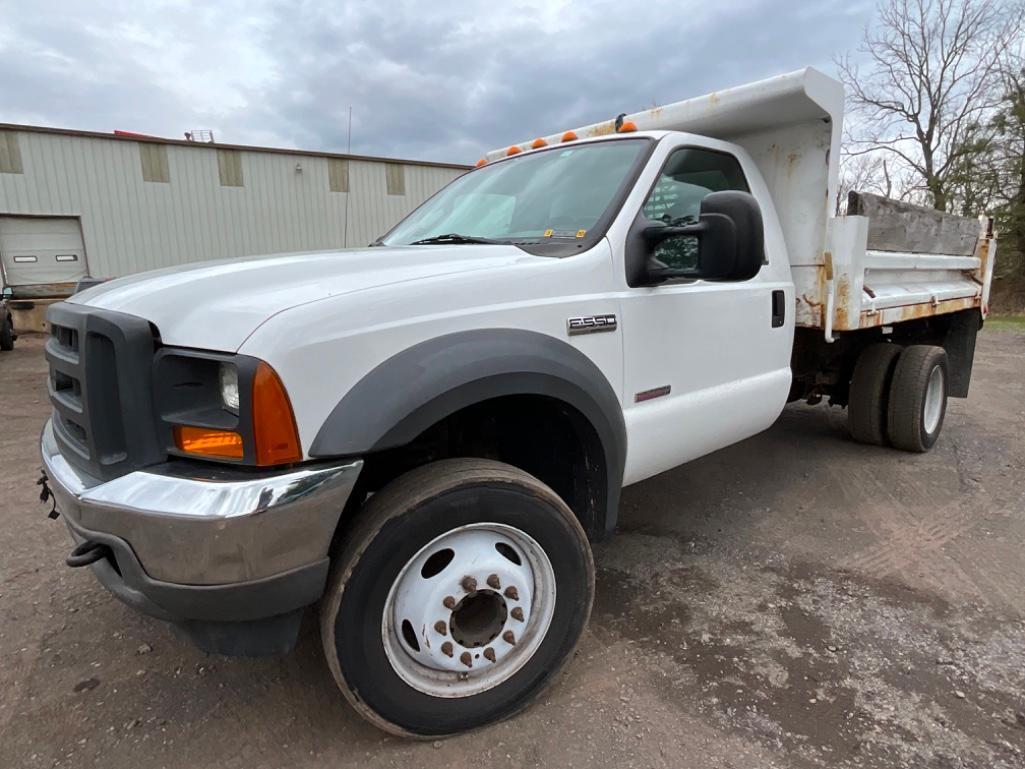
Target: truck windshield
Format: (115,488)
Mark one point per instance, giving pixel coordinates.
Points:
(557,194)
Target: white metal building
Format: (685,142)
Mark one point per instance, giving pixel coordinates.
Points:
(74,202)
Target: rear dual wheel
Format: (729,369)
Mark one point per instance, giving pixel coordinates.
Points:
(898,396)
(460,594)
(918,398)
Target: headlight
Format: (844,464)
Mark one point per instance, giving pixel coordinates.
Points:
(229,387)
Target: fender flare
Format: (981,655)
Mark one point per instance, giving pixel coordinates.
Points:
(418,387)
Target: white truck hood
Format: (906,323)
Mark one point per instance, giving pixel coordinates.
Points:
(217,305)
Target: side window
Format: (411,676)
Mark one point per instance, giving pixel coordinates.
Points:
(688,175)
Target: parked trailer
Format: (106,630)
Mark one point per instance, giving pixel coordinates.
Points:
(423,437)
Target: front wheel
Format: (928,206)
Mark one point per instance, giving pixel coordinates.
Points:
(461,592)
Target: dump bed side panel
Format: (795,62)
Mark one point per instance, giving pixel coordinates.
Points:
(890,261)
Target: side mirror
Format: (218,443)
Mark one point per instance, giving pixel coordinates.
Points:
(727,243)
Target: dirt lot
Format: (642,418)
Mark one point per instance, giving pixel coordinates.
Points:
(796,600)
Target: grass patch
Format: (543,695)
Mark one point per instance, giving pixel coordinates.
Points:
(1005,323)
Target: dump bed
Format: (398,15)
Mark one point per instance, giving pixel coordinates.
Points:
(883,263)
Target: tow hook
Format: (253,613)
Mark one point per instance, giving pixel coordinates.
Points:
(86,553)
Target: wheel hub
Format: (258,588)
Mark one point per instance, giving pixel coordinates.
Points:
(478,619)
(468,610)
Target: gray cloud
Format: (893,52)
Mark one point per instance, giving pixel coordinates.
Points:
(425,80)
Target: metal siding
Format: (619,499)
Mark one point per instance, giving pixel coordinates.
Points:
(130,225)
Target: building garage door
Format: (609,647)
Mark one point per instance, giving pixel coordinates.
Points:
(41,255)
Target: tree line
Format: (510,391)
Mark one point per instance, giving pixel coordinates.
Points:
(936,112)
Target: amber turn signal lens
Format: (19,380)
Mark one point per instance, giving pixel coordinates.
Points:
(274,430)
(206,442)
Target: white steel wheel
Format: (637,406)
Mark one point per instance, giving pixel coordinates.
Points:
(935,397)
(459,594)
(468,610)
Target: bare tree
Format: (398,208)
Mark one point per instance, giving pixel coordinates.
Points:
(929,86)
(863,173)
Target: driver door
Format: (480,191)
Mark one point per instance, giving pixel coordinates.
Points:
(707,363)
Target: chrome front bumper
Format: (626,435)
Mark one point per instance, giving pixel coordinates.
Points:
(206,531)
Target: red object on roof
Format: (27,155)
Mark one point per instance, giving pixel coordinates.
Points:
(136,135)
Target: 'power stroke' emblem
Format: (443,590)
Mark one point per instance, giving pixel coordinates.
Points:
(590,324)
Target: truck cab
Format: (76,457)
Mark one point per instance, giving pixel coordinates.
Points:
(421,438)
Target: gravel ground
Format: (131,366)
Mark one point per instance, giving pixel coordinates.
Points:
(797,600)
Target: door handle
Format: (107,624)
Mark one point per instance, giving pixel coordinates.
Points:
(779,312)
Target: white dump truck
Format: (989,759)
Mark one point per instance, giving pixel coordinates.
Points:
(421,438)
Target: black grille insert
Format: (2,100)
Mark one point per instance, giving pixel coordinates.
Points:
(100,388)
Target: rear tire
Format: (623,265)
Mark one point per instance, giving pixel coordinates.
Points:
(869,393)
(441,567)
(918,398)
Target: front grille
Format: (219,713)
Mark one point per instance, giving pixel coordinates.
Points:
(100,388)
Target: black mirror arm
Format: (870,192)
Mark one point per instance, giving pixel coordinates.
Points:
(659,272)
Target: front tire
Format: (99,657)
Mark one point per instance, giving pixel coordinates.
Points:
(918,398)
(459,595)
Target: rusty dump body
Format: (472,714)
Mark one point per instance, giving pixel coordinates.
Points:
(889,262)
(886,262)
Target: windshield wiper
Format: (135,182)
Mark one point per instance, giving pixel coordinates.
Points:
(453,237)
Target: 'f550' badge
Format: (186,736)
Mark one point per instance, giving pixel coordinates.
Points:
(590,324)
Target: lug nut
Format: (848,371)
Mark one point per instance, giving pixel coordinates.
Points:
(441,627)
(446,648)
(517,614)
(512,593)
(469,584)
(466,659)
(493,582)
(449,602)
(509,638)
(489,654)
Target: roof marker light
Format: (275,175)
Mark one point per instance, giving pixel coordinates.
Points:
(513,150)
(482,162)
(569,136)
(538,143)
(628,126)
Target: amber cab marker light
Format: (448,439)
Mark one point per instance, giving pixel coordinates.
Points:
(482,162)
(274,430)
(513,150)
(628,126)
(538,144)
(207,442)
(569,136)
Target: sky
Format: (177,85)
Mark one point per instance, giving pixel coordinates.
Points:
(428,80)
